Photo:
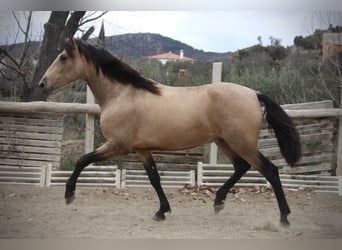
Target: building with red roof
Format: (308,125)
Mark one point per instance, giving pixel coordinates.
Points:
(166,57)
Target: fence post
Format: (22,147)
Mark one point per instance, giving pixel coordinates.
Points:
(42,176)
(48,175)
(90,119)
(199,173)
(339,148)
(339,185)
(216,77)
(118,178)
(192,178)
(123,178)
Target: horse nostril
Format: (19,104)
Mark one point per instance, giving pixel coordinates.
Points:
(42,83)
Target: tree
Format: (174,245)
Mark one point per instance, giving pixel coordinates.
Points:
(259,40)
(55,30)
(102,36)
(275,41)
(61,24)
(15,70)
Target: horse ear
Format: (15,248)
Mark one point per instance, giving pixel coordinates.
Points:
(70,46)
(70,41)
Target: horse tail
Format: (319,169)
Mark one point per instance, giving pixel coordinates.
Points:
(285,130)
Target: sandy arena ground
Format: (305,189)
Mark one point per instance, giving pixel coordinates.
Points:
(109,213)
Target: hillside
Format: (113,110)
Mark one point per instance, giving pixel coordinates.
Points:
(138,45)
(134,46)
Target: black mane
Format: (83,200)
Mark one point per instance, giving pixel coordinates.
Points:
(112,67)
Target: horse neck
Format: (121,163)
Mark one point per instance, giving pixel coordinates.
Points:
(104,89)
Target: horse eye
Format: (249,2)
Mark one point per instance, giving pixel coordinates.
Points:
(63,58)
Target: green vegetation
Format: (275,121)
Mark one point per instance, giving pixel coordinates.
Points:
(68,164)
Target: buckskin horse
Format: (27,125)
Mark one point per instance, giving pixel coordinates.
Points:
(142,115)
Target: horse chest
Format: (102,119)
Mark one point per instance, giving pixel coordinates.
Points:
(117,122)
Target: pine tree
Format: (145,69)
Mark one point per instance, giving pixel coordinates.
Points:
(101,38)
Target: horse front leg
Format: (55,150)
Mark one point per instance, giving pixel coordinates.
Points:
(106,151)
(84,161)
(151,170)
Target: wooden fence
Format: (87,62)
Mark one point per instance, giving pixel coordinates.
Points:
(313,170)
(28,143)
(319,154)
(315,124)
(177,160)
(30,139)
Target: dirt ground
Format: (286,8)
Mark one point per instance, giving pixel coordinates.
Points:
(109,213)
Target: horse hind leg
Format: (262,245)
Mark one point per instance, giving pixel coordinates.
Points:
(151,170)
(271,173)
(243,157)
(240,168)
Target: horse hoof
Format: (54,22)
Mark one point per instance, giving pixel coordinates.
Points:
(159,216)
(68,200)
(218,207)
(69,196)
(284,222)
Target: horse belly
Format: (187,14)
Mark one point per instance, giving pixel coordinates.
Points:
(171,143)
(175,135)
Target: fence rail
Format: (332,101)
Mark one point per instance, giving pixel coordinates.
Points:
(94,109)
(51,107)
(138,178)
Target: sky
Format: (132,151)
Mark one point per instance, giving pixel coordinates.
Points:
(216,31)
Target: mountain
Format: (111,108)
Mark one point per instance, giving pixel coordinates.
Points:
(138,45)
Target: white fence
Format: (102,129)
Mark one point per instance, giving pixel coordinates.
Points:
(207,175)
(93,176)
(217,174)
(23,175)
(138,178)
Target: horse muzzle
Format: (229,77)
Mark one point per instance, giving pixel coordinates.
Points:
(43,83)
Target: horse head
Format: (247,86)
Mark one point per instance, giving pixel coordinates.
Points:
(66,68)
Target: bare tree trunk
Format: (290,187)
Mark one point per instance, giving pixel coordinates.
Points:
(55,30)
(13,69)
